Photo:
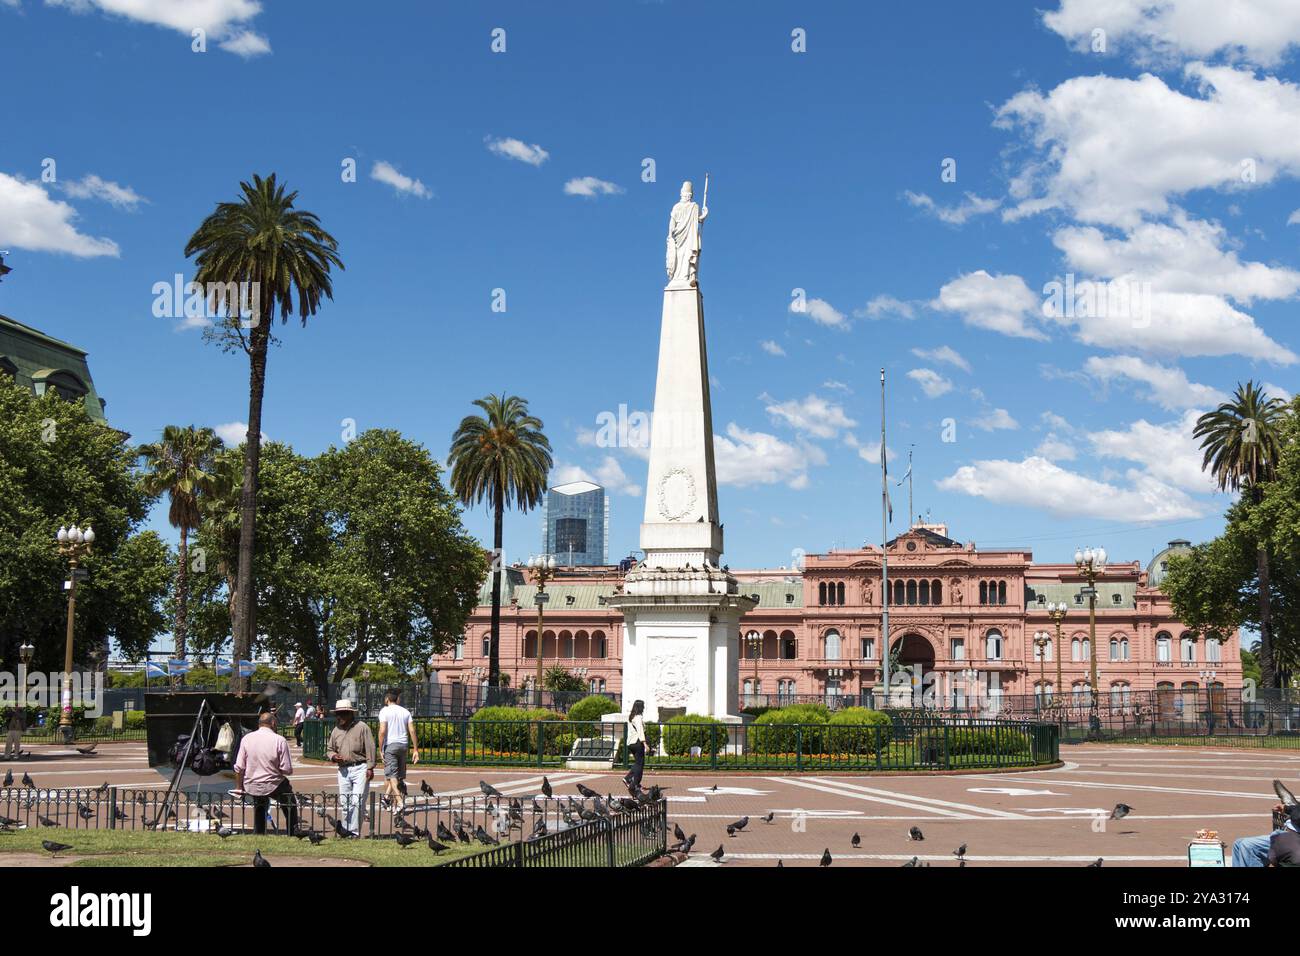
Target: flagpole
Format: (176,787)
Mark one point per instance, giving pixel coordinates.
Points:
(910,512)
(884,546)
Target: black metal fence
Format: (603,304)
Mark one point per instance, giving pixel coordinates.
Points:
(907,742)
(630,838)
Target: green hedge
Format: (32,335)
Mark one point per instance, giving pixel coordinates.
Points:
(787,729)
(962,740)
(691,730)
(508,729)
(853,731)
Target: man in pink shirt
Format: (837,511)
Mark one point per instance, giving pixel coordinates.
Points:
(262,770)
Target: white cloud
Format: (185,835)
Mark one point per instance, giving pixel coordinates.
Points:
(870,452)
(609,475)
(1187,255)
(884,306)
(30,219)
(234,434)
(837,385)
(1277,391)
(1113,151)
(813,415)
(1055,449)
(246,44)
(512,148)
(1167,386)
(224,20)
(92,187)
(1261,31)
(945,354)
(820,311)
(1057,423)
(1170,324)
(387,173)
(956,215)
(591,187)
(931,382)
(1043,485)
(999,419)
(1000,303)
(1167,452)
(746,457)
(770,347)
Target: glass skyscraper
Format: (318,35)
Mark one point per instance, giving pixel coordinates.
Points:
(575,524)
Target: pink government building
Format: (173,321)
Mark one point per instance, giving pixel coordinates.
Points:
(967,617)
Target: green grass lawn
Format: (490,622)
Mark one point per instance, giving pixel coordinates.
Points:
(145,848)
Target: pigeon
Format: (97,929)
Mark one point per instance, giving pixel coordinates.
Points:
(314,838)
(224,831)
(489,790)
(102,788)
(713,789)
(340,830)
(826,857)
(9,778)
(87,751)
(435,846)
(769,818)
(1121,811)
(425,788)
(960,852)
(27,781)
(462,836)
(740,824)
(403,840)
(55,848)
(118,814)
(915,834)
(856,841)
(780,865)
(1286,796)
(678,833)
(258,859)
(546,787)
(45,821)
(9,822)
(537,808)
(587,791)
(84,811)
(716,855)
(485,838)
(1095,865)
(731,831)
(444,833)
(914,861)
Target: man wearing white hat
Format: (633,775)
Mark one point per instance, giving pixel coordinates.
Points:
(351,748)
(299,715)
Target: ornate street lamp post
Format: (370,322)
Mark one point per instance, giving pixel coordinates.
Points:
(543,567)
(74,544)
(1041,641)
(1056,611)
(1092,565)
(25,654)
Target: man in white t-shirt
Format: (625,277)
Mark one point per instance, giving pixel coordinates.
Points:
(299,715)
(396,739)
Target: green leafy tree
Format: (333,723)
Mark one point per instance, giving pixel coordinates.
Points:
(558,679)
(501,456)
(1242,445)
(58,466)
(283,257)
(182,464)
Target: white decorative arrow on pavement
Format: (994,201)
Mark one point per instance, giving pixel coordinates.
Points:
(1013,792)
(730,791)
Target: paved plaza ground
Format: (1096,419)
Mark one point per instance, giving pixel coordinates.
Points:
(1025,818)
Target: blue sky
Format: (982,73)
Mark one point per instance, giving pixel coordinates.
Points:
(1165,163)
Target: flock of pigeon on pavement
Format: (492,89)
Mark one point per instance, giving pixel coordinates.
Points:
(507,814)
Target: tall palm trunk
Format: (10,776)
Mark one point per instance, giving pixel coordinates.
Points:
(246,609)
(494,642)
(182,592)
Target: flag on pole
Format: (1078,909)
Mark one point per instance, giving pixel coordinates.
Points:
(245,668)
(178,667)
(223,668)
(154,669)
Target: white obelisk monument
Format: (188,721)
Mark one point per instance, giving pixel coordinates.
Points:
(681,611)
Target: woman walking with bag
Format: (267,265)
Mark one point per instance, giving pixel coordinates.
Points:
(636,746)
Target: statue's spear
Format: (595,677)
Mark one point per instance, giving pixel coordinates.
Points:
(705,204)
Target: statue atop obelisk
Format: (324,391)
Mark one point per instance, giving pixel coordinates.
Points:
(681,611)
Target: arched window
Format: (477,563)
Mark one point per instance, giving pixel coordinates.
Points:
(1114,648)
(984,592)
(530,644)
(789,646)
(459,652)
(1213,651)
(839,593)
(1187,650)
(785,688)
(598,648)
(925,592)
(566,644)
(581,644)
(936,592)
(911,592)
(821,594)
(1002,592)
(1163,641)
(993,645)
(899,592)
(1075,649)
(487,645)
(549,645)
(1191,691)
(1080,693)
(1168,702)
(1119,696)
(832,645)
(1043,692)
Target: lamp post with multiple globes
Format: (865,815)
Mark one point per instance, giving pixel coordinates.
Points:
(74,544)
(1091,563)
(1056,611)
(543,566)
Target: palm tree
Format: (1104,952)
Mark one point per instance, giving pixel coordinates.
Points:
(220,527)
(279,254)
(504,457)
(1242,447)
(182,464)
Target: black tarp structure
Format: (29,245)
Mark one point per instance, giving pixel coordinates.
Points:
(168,716)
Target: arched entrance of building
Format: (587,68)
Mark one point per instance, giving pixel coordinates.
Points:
(913,650)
